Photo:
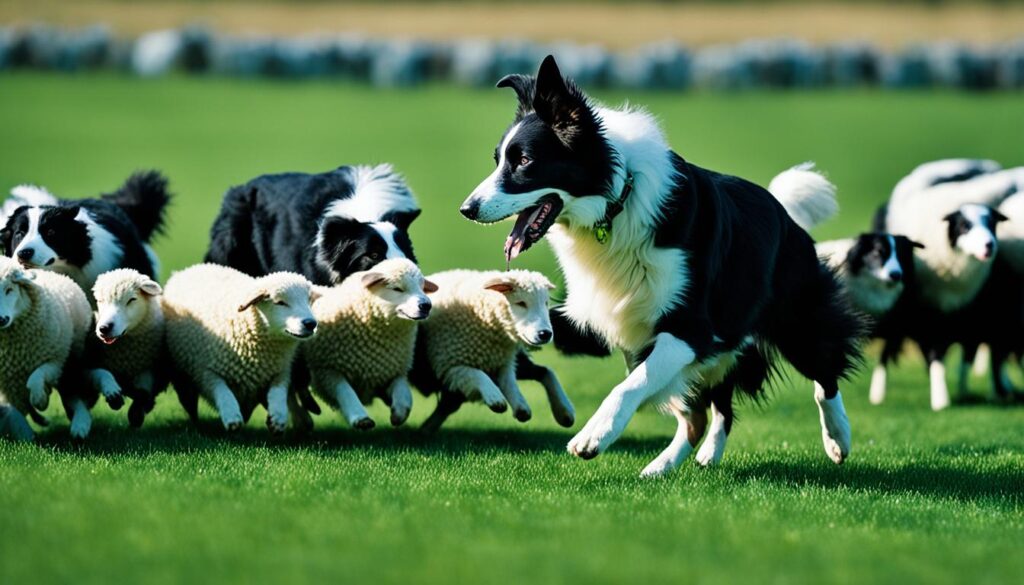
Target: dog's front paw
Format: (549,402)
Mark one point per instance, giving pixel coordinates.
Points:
(80,427)
(115,400)
(660,467)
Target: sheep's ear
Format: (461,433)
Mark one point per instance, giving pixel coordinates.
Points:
(951,216)
(151,288)
(314,294)
(372,279)
(548,284)
(917,245)
(500,284)
(429,287)
(258,298)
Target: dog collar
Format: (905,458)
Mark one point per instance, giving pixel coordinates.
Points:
(603,228)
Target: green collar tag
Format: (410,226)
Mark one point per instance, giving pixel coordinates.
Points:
(603,228)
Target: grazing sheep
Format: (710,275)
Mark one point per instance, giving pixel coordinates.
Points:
(468,347)
(366,340)
(128,350)
(232,339)
(44,318)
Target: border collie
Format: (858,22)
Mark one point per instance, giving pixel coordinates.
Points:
(874,269)
(696,276)
(324,226)
(84,238)
(955,221)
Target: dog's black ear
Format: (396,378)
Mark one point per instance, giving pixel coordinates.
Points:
(560,104)
(856,252)
(6,234)
(524,86)
(998,217)
(401,219)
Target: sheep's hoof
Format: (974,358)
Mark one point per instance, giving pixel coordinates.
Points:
(115,401)
(276,427)
(364,424)
(565,420)
(522,415)
(498,407)
(398,418)
(232,426)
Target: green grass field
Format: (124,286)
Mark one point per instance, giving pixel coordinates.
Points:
(925,497)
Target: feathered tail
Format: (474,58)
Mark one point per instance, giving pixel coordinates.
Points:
(808,197)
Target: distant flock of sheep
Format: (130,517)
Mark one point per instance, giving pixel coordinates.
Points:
(241,341)
(401,62)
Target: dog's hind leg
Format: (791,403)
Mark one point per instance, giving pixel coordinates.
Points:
(835,425)
(713,447)
(692,424)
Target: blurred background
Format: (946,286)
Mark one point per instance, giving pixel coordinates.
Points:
(216,92)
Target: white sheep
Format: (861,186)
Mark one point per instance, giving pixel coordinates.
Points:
(232,339)
(44,319)
(468,347)
(128,350)
(366,340)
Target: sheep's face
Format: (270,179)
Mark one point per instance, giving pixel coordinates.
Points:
(124,308)
(528,306)
(14,299)
(286,310)
(406,293)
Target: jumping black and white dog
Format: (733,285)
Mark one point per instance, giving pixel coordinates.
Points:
(875,268)
(324,226)
(696,276)
(950,207)
(84,238)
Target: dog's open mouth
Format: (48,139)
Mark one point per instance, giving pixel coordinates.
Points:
(531,225)
(109,340)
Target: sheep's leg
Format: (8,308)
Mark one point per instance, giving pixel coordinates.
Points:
(14,423)
(937,376)
(401,401)
(277,407)
(227,405)
(448,403)
(39,384)
(351,407)
(105,382)
(688,433)
(301,419)
(561,406)
(472,382)
(878,384)
(142,402)
(661,368)
(81,420)
(510,389)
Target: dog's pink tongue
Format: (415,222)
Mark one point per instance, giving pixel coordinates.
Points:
(517,242)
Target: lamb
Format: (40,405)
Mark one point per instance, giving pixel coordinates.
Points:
(232,339)
(469,346)
(366,340)
(128,349)
(44,319)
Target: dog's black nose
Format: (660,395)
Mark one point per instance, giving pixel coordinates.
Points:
(989,246)
(470,209)
(425,308)
(895,276)
(106,329)
(26,254)
(544,335)
(4,321)
(309,324)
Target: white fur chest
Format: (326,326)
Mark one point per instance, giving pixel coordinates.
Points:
(871,295)
(619,289)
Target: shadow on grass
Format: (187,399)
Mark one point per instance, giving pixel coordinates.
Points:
(928,478)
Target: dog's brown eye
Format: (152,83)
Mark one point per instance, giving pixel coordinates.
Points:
(281,303)
(524,160)
(522,304)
